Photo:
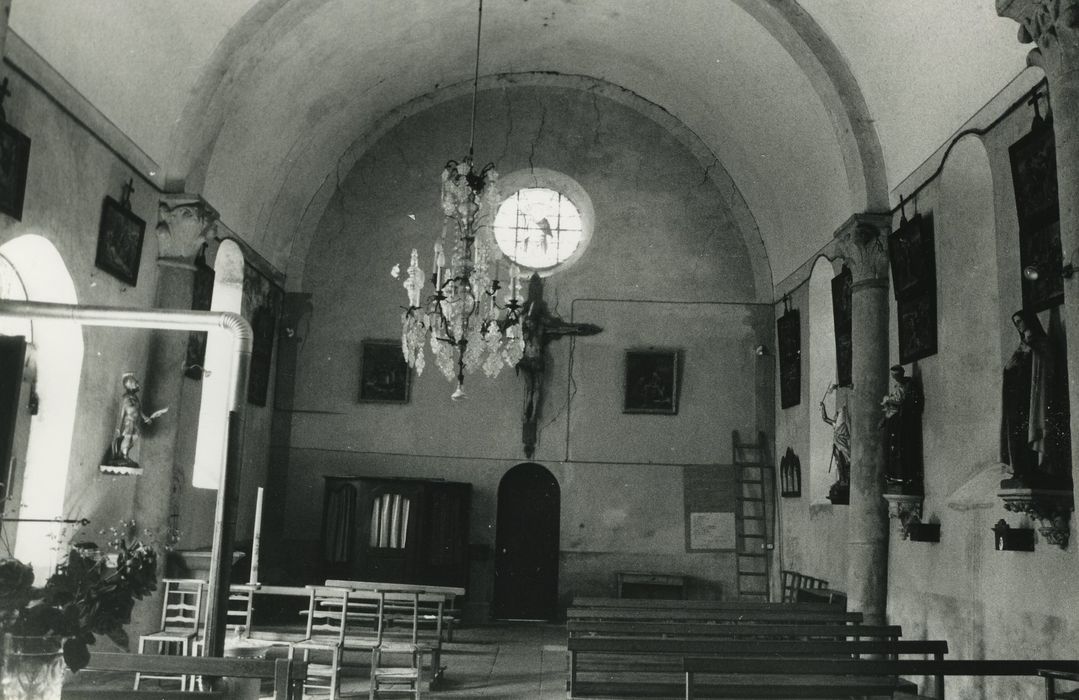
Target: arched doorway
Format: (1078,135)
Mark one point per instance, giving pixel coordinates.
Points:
(526,545)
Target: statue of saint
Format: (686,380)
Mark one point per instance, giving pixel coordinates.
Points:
(839,493)
(128,426)
(902,424)
(1035,436)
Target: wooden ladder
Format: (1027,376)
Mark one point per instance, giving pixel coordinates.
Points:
(754,528)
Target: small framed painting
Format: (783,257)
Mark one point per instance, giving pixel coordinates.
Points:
(917,326)
(14,163)
(913,258)
(789,332)
(842,311)
(652,378)
(119,242)
(384,374)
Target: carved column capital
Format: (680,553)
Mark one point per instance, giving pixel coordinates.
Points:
(1053,25)
(184,223)
(862,243)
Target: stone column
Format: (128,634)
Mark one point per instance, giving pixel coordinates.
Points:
(1053,26)
(862,243)
(185,222)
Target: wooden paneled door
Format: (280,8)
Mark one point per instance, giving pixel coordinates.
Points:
(526,545)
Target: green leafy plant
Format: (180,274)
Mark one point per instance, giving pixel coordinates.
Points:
(88,595)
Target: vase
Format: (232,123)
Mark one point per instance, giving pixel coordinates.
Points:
(32,668)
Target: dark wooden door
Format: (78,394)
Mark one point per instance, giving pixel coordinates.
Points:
(526,545)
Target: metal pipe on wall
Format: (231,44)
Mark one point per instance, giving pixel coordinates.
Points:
(177,320)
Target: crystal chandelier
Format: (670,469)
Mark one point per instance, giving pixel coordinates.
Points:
(465,320)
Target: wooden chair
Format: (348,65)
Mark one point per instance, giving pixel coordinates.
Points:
(179,630)
(389,674)
(327,623)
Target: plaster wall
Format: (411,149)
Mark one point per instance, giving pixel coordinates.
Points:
(70,173)
(665,268)
(986,603)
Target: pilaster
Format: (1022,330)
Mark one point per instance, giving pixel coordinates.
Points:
(185,222)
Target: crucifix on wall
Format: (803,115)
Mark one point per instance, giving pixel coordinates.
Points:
(540,327)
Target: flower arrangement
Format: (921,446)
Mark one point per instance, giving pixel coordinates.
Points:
(88,595)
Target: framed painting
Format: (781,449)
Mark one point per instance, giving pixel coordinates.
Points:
(119,242)
(789,333)
(261,306)
(651,381)
(842,320)
(14,163)
(1034,178)
(912,257)
(917,325)
(384,374)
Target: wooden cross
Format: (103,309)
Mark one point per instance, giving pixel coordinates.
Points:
(540,327)
(125,194)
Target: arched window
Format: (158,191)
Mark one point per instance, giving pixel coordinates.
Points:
(545,220)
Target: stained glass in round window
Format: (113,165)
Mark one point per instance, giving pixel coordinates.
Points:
(538,228)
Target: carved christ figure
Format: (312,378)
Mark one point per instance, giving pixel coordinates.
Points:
(540,327)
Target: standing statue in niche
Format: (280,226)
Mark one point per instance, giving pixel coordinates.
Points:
(1035,437)
(540,327)
(839,493)
(902,425)
(119,459)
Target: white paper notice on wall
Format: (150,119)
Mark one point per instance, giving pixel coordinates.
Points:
(711,531)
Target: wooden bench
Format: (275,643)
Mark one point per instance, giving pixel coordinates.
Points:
(776,615)
(651,666)
(577,628)
(287,675)
(443,616)
(646,604)
(801,678)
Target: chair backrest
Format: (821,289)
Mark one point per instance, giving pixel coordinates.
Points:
(238,613)
(327,612)
(182,604)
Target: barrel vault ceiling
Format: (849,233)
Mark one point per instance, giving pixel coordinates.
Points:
(816,108)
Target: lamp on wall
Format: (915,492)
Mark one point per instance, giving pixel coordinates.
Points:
(465,320)
(1035,271)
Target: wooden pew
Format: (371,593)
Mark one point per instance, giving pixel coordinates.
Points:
(776,615)
(637,666)
(801,678)
(662,604)
(630,628)
(442,616)
(287,675)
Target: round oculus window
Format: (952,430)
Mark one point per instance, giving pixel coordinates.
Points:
(538,228)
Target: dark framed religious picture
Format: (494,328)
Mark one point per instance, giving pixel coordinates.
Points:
(912,257)
(119,242)
(384,374)
(652,379)
(843,323)
(14,163)
(917,326)
(1034,178)
(261,306)
(789,333)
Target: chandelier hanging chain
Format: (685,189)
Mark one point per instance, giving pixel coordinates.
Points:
(475,81)
(464,322)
